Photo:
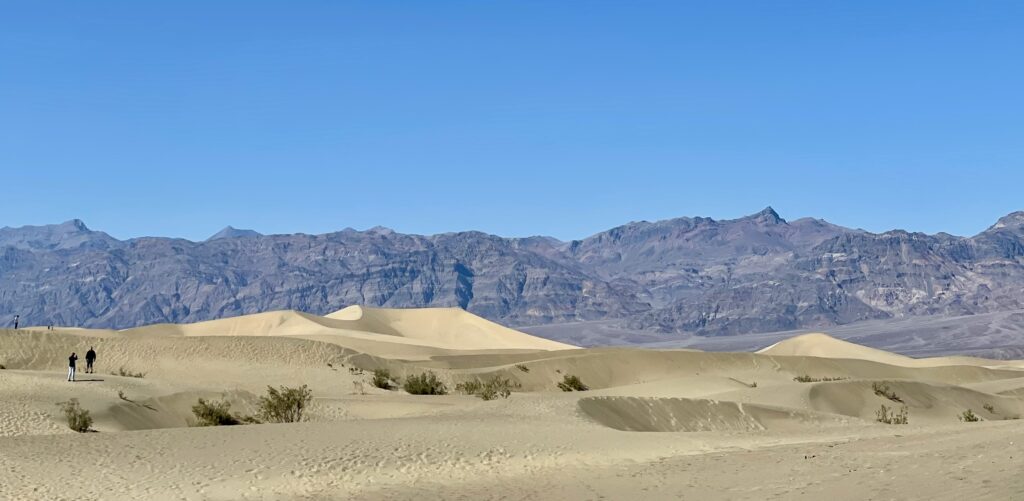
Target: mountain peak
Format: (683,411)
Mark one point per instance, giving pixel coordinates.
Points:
(74,225)
(767,216)
(232,232)
(1011,220)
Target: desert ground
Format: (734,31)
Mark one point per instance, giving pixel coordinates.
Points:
(796,420)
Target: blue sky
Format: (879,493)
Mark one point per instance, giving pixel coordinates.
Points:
(516,118)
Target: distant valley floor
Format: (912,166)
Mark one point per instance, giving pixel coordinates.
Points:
(997,335)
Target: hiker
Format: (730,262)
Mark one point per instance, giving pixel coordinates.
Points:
(90,357)
(71,366)
(16,317)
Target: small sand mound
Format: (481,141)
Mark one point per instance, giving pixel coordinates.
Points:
(683,414)
(927,403)
(825,346)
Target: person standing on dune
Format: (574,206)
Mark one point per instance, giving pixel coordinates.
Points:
(90,357)
(71,366)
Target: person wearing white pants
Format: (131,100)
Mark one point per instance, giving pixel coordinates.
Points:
(71,367)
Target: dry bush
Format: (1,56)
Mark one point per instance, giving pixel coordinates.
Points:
(214,413)
(882,389)
(808,379)
(78,418)
(284,405)
(572,383)
(491,389)
(426,383)
(382,379)
(522,368)
(887,416)
(469,387)
(121,371)
(989,408)
(969,417)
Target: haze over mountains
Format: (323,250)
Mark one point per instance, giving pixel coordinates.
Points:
(699,276)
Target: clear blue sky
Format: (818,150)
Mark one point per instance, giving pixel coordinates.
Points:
(520,117)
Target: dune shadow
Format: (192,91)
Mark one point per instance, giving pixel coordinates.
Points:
(87,381)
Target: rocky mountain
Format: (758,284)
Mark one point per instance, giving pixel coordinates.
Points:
(699,276)
(232,232)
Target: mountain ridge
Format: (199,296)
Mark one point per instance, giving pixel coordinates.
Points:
(687,275)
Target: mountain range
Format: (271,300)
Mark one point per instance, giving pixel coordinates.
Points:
(684,276)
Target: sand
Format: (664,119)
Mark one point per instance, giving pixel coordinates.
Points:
(656,424)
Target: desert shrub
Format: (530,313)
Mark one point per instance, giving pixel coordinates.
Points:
(355,371)
(808,379)
(284,405)
(571,382)
(213,413)
(882,389)
(522,368)
(426,383)
(3,367)
(888,416)
(121,371)
(491,389)
(969,417)
(469,387)
(989,408)
(78,418)
(753,384)
(382,379)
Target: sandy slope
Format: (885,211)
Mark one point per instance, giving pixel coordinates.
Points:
(661,424)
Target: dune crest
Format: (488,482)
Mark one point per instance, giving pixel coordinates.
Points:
(415,333)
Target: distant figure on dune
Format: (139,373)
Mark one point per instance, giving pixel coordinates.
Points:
(71,366)
(90,357)
(16,318)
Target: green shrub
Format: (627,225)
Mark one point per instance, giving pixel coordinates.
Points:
(887,416)
(214,413)
(127,373)
(522,368)
(491,389)
(969,417)
(78,418)
(426,383)
(572,383)
(284,405)
(382,379)
(882,389)
(989,408)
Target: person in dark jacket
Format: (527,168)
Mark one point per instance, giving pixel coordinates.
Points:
(71,366)
(90,357)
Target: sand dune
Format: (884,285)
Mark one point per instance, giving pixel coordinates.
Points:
(715,409)
(413,334)
(825,346)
